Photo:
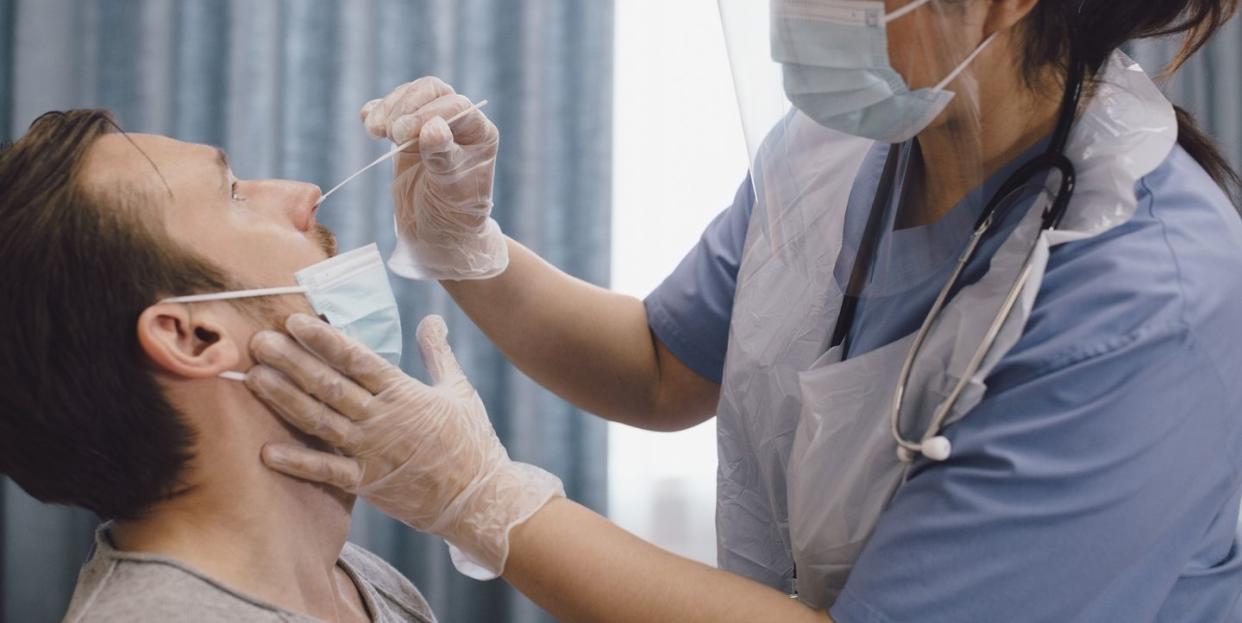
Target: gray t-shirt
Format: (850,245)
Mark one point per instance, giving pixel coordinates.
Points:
(115,586)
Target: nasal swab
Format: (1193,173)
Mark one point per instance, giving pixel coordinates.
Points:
(396,150)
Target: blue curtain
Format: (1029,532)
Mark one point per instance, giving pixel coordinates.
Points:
(1209,86)
(278,84)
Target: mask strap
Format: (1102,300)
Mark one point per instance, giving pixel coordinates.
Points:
(905,10)
(966,63)
(240,294)
(230,375)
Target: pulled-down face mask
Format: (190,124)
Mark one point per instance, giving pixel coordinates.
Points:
(351,291)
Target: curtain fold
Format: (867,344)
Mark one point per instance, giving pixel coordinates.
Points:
(278,84)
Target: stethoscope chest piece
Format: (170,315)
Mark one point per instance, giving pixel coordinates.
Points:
(937,448)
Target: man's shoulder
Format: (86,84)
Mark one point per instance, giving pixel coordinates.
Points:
(115,586)
(386,580)
(135,590)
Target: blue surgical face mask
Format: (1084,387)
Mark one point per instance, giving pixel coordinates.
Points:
(834,55)
(350,290)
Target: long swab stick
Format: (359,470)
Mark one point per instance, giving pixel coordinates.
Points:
(396,150)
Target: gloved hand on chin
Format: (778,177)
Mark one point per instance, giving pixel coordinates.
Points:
(425,455)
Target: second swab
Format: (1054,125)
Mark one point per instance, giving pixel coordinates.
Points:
(396,150)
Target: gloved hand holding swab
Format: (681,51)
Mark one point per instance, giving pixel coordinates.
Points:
(396,150)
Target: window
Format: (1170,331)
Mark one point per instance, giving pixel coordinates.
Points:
(680,155)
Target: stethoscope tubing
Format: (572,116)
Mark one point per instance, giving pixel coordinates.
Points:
(1053,160)
(976,361)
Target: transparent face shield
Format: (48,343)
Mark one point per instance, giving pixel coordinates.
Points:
(819,81)
(854,66)
(757,77)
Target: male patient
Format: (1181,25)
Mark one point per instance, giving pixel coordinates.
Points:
(112,401)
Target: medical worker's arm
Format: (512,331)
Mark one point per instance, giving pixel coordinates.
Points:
(590,346)
(582,567)
(427,455)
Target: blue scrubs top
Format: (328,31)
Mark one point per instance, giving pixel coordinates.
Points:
(1099,478)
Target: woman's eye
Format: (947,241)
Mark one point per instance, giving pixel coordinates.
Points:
(233,192)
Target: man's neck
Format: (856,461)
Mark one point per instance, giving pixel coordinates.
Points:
(263,534)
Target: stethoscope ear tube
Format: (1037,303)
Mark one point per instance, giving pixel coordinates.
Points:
(1056,211)
(935,446)
(1055,158)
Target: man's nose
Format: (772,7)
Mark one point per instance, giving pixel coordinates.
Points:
(295,202)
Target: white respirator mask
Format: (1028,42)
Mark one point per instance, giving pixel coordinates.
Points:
(350,290)
(834,55)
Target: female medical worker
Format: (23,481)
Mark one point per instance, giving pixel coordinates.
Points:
(981,356)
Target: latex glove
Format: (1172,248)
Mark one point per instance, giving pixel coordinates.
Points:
(425,455)
(442,188)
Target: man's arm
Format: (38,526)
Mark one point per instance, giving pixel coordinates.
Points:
(599,572)
(590,346)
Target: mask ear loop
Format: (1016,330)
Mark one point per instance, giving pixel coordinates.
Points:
(230,375)
(905,10)
(944,84)
(240,294)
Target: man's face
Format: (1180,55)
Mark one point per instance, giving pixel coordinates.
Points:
(259,232)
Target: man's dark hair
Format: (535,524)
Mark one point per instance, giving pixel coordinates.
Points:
(82,419)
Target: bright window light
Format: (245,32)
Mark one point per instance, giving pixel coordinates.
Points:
(680,156)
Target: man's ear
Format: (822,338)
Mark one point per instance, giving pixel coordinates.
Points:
(189,345)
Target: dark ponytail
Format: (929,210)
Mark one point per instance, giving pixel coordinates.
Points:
(1106,25)
(1201,147)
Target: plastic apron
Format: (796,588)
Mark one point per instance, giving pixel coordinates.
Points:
(806,460)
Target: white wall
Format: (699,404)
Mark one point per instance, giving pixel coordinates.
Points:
(680,155)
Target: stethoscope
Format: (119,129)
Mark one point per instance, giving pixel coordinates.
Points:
(932,444)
